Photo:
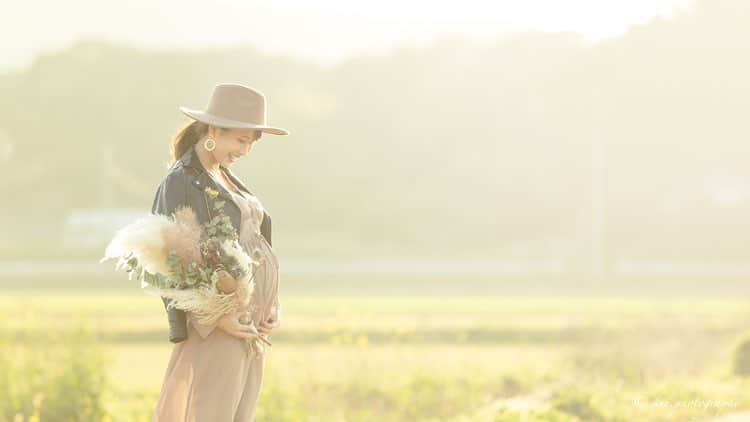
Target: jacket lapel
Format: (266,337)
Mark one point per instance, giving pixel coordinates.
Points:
(190,159)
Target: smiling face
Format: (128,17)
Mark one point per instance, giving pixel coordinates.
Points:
(232,144)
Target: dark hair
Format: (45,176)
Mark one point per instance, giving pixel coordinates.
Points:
(187,136)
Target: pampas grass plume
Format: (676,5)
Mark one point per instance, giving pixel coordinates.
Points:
(184,236)
(144,239)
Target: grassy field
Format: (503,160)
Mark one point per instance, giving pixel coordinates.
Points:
(471,357)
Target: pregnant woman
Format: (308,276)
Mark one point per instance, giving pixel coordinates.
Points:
(210,376)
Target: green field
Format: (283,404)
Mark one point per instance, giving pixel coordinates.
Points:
(386,357)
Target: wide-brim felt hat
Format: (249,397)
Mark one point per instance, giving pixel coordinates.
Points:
(235,106)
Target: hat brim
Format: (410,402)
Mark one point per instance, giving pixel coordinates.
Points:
(210,119)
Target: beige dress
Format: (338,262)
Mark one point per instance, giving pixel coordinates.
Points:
(210,376)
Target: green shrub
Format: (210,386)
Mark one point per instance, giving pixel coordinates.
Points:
(741,358)
(62,379)
(577,403)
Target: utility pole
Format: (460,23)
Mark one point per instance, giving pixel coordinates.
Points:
(106,185)
(598,210)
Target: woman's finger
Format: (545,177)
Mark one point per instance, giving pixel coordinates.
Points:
(243,334)
(272,325)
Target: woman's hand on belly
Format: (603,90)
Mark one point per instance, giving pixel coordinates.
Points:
(265,327)
(230,323)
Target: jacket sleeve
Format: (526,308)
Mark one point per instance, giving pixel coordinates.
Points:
(171,194)
(265,230)
(265,227)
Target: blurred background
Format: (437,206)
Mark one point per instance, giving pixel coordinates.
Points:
(527,210)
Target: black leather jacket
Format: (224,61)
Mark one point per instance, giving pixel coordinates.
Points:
(185,184)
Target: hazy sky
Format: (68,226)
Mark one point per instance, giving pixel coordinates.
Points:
(325,31)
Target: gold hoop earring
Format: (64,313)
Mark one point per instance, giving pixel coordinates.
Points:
(207,142)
